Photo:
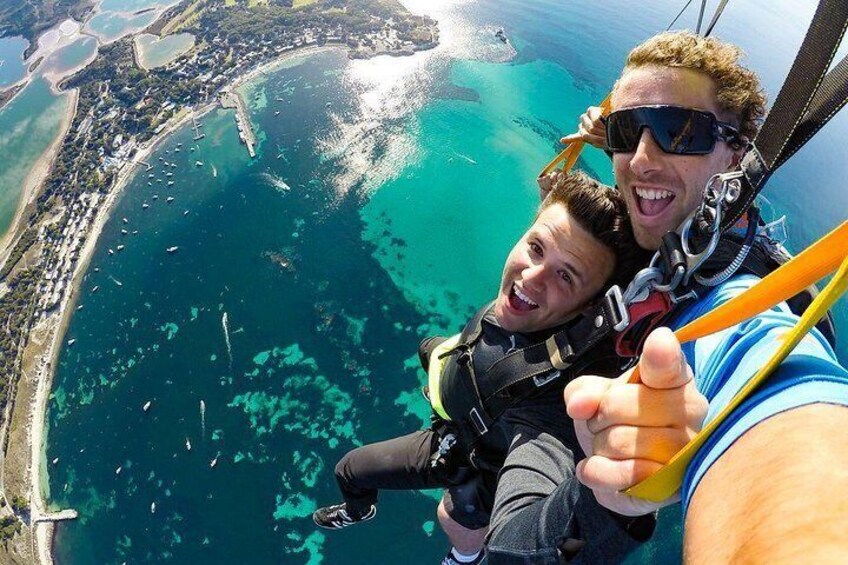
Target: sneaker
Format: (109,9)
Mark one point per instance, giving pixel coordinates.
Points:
(452,559)
(336,517)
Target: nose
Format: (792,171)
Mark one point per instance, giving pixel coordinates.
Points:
(646,157)
(534,277)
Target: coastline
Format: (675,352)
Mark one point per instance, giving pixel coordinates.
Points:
(58,322)
(36,177)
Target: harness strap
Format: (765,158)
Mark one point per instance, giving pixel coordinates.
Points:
(810,266)
(810,96)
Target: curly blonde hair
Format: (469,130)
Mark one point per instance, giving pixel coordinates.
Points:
(738,89)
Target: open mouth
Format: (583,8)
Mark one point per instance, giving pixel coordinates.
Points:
(653,201)
(520,301)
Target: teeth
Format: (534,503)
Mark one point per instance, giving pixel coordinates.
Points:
(652,194)
(523,296)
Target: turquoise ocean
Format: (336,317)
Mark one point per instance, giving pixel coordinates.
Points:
(282,332)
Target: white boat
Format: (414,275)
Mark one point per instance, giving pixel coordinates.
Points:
(185,213)
(152,507)
(111,251)
(93,290)
(169,174)
(188,445)
(120,248)
(198,163)
(79,307)
(96,269)
(145,205)
(169,199)
(213,463)
(172,249)
(155,197)
(146,406)
(71,342)
(117,282)
(124,232)
(149,184)
(55,460)
(126,221)
(170,183)
(118,470)
(277,113)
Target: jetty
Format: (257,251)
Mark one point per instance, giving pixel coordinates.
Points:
(69,514)
(230,99)
(196,124)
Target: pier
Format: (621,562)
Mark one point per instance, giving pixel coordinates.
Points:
(230,99)
(196,124)
(145,163)
(69,514)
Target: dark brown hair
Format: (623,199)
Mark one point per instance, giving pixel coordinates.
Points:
(601,211)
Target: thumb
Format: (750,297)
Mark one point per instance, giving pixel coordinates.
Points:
(662,364)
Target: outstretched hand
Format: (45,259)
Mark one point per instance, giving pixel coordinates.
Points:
(591,129)
(629,431)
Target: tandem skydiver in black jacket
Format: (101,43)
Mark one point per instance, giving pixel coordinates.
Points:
(580,237)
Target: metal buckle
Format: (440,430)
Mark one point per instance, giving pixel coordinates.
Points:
(478,421)
(618,308)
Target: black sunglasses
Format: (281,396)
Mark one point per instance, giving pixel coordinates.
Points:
(676,130)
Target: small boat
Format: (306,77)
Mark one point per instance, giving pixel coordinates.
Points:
(172,249)
(329,104)
(126,221)
(151,176)
(124,232)
(161,158)
(177,150)
(117,282)
(185,213)
(170,183)
(120,248)
(155,197)
(198,163)
(134,232)
(55,460)
(111,252)
(169,199)
(213,462)
(179,144)
(96,269)
(188,445)
(277,113)
(71,342)
(159,181)
(152,507)
(118,470)
(93,290)
(173,165)
(80,307)
(280,99)
(169,174)
(149,183)
(146,406)
(145,206)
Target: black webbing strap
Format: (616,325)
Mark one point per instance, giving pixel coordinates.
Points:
(557,353)
(719,9)
(810,96)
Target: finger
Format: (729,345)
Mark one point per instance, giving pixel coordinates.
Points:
(641,406)
(594,113)
(630,442)
(600,473)
(630,505)
(571,138)
(583,396)
(662,364)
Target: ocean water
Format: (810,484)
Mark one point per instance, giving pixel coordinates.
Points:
(12,68)
(384,198)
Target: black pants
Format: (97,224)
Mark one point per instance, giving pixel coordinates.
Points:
(403,463)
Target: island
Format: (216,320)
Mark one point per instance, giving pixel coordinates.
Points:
(121,112)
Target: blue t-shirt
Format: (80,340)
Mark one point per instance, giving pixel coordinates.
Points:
(725,361)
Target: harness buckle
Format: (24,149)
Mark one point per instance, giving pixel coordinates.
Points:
(479,425)
(619,315)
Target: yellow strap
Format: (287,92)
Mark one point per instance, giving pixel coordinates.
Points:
(573,149)
(434,375)
(819,260)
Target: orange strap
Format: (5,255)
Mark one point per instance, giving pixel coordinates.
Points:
(573,149)
(816,262)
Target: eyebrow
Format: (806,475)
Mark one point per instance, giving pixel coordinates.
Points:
(566,265)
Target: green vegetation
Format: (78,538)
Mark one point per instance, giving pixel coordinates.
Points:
(9,527)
